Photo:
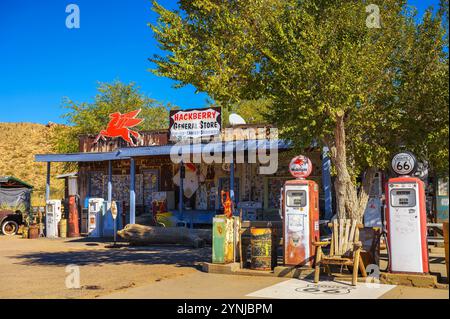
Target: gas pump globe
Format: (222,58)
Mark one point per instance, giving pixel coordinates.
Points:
(406,218)
(300,203)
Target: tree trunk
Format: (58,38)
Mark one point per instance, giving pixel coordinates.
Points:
(364,192)
(349,203)
(345,195)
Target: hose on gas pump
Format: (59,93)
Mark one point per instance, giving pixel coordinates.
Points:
(383,234)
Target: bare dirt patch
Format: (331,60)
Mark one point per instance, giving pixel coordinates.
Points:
(37,268)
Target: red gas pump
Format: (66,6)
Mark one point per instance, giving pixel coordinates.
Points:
(406,219)
(300,203)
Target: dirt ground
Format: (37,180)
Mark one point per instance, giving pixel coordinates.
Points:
(37,268)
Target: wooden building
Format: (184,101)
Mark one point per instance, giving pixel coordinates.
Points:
(133,176)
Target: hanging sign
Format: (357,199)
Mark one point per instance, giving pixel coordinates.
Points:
(195,123)
(404,163)
(300,167)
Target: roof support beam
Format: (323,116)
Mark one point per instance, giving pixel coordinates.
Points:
(132,191)
(47,186)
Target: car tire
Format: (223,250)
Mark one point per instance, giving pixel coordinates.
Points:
(10,228)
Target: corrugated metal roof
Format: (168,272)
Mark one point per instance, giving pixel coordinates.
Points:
(6,179)
(79,157)
(126,153)
(225,147)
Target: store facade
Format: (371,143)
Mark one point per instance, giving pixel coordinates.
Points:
(137,177)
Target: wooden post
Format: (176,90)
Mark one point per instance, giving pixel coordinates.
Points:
(132,191)
(356,266)
(47,186)
(317,264)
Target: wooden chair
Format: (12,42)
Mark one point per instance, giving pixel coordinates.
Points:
(345,249)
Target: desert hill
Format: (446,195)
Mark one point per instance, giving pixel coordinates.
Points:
(19,142)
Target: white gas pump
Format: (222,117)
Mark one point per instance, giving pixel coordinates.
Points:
(300,208)
(406,218)
(95,216)
(52,218)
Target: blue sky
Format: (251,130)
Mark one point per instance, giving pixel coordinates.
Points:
(41,61)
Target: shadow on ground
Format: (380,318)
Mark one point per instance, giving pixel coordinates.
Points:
(171,255)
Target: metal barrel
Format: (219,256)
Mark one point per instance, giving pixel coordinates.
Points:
(223,240)
(33,232)
(262,248)
(63,228)
(25,233)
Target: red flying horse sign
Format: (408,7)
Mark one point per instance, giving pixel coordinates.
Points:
(120,126)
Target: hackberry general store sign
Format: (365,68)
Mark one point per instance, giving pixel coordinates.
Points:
(195,123)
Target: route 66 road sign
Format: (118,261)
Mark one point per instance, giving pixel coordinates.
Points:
(404,163)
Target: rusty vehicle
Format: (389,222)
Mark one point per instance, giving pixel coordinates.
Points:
(15,199)
(10,222)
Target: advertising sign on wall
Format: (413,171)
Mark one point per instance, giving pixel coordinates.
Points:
(195,123)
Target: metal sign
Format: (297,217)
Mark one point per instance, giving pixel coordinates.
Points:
(120,126)
(195,123)
(114,210)
(404,163)
(300,167)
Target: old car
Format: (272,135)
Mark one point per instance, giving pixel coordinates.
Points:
(10,222)
(15,199)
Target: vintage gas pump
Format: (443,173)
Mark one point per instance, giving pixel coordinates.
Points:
(300,202)
(53,216)
(406,218)
(74,229)
(95,216)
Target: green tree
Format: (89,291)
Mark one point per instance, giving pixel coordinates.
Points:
(252,111)
(331,78)
(424,93)
(91,118)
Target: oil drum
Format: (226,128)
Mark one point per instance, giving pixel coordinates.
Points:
(33,232)
(262,249)
(63,228)
(25,233)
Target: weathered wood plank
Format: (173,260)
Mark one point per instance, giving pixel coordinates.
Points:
(335,237)
(341,236)
(352,233)
(347,238)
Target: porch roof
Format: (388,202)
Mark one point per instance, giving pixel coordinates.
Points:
(79,157)
(127,153)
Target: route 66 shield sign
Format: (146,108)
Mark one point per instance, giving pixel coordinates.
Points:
(404,163)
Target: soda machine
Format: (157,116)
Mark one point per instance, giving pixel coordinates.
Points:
(300,210)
